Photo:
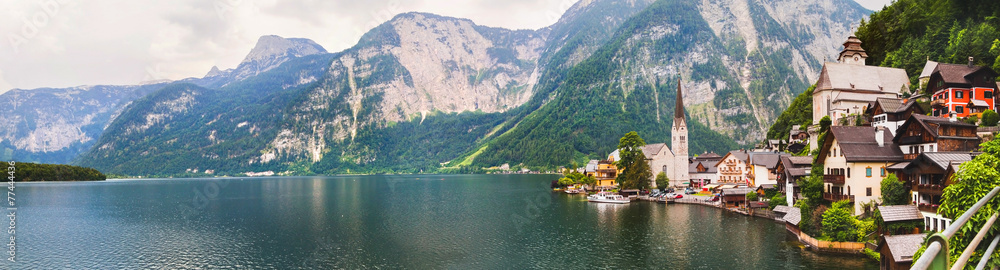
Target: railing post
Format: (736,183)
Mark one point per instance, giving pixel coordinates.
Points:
(940,260)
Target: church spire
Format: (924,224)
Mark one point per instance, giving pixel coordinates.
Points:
(679,108)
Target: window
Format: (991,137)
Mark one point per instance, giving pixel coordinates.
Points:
(958,94)
(883,171)
(945,93)
(930,148)
(664,169)
(959,109)
(868,172)
(848,172)
(868,192)
(972,93)
(987,94)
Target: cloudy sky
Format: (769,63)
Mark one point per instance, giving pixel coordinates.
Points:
(62,43)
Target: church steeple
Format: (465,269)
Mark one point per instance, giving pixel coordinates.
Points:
(679,108)
(679,142)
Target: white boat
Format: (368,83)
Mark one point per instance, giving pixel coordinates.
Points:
(607,197)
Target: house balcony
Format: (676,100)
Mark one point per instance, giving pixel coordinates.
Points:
(926,207)
(910,156)
(833,179)
(837,197)
(938,103)
(930,188)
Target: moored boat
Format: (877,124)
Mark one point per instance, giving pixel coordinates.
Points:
(607,197)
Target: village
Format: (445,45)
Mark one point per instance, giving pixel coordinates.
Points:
(870,130)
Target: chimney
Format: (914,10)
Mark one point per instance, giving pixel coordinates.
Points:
(970,61)
(880,136)
(952,116)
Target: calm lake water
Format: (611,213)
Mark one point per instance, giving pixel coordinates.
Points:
(364,222)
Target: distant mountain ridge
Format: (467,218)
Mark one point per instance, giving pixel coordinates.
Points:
(424,92)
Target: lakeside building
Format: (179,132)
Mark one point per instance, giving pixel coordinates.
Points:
(790,170)
(927,177)
(921,133)
(846,87)
(897,250)
(733,168)
(899,215)
(702,169)
(674,163)
(763,169)
(735,197)
(892,112)
(963,89)
(856,159)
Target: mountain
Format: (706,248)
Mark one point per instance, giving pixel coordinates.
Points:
(55,125)
(424,92)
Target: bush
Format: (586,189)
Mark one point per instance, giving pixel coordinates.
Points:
(778,199)
(839,224)
(752,196)
(990,118)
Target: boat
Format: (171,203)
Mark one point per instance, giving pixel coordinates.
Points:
(607,197)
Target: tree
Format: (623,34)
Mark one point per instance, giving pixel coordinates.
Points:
(635,171)
(752,196)
(838,223)
(778,199)
(662,181)
(812,189)
(973,181)
(990,118)
(893,191)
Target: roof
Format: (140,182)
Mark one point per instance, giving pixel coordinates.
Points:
(792,162)
(940,159)
(737,191)
(863,78)
(782,209)
(858,144)
(796,172)
(738,154)
(767,186)
(769,160)
(958,73)
(928,69)
(898,166)
(709,166)
(591,166)
(893,213)
(894,105)
(794,216)
(651,150)
(758,204)
(925,121)
(904,246)
(978,103)
(709,155)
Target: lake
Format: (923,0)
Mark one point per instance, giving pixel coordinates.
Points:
(366,222)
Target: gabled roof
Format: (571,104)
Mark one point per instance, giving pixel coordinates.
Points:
(903,246)
(858,144)
(768,160)
(894,105)
(928,69)
(893,213)
(862,78)
(941,160)
(591,166)
(738,154)
(709,166)
(796,172)
(709,155)
(794,216)
(651,150)
(925,121)
(959,74)
(782,209)
(736,191)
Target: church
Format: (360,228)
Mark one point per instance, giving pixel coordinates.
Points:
(660,157)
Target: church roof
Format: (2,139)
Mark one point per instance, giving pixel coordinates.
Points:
(853,46)
(862,78)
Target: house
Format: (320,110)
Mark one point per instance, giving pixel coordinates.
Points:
(898,215)
(797,134)
(897,250)
(846,87)
(780,211)
(790,170)
(927,178)
(735,197)
(702,169)
(660,158)
(963,89)
(734,168)
(892,112)
(855,161)
(763,168)
(921,133)
(606,173)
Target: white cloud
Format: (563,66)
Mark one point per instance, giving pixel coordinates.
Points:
(62,43)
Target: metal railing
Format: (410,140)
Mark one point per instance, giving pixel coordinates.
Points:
(936,255)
